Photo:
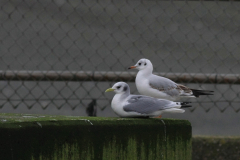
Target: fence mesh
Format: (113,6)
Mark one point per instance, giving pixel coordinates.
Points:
(70,35)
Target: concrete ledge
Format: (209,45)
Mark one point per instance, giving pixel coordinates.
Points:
(65,137)
(212,148)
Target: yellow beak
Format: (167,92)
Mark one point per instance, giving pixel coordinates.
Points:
(109,90)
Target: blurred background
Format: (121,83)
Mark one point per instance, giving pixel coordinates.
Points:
(51,52)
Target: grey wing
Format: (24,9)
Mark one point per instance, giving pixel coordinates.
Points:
(164,85)
(145,105)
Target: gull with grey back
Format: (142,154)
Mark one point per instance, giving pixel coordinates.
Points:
(160,87)
(126,105)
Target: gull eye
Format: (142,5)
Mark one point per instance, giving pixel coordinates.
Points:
(118,87)
(139,64)
(145,64)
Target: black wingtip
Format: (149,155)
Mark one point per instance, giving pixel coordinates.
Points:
(184,103)
(197,92)
(202,90)
(185,106)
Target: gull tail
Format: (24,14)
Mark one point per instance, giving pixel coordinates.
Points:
(174,110)
(177,107)
(197,92)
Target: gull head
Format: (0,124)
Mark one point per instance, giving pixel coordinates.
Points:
(143,64)
(119,88)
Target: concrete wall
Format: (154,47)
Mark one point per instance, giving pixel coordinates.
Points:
(216,148)
(66,137)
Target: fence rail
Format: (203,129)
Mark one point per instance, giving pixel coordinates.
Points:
(103,76)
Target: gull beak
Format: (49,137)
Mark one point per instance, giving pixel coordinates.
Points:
(132,67)
(109,90)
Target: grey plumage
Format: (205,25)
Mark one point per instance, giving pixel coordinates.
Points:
(147,105)
(163,84)
(173,89)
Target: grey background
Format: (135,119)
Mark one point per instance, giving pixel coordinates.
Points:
(178,37)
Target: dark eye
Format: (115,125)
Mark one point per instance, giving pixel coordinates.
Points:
(118,87)
(145,64)
(139,64)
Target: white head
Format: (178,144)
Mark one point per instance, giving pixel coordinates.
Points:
(120,88)
(143,64)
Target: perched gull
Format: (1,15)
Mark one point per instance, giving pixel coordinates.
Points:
(159,87)
(126,105)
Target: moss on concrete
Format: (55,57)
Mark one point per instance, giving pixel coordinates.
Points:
(37,137)
(216,147)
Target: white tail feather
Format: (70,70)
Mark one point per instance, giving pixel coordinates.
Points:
(174,110)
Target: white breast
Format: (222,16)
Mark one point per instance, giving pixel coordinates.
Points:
(141,84)
(117,105)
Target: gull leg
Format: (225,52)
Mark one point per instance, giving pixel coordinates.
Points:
(160,116)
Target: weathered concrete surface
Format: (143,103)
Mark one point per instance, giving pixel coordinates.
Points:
(216,148)
(44,137)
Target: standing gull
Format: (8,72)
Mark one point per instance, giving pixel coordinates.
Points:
(126,105)
(159,87)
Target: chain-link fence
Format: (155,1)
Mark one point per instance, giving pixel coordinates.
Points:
(65,53)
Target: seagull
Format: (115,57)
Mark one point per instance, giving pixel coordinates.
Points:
(160,87)
(126,105)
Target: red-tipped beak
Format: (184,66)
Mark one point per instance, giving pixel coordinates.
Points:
(132,67)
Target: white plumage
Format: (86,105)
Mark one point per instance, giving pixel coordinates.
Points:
(126,105)
(160,87)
